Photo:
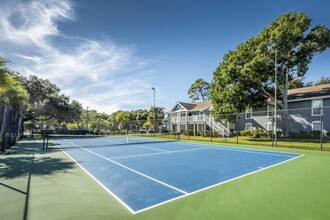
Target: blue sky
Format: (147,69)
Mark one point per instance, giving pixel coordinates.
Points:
(109,53)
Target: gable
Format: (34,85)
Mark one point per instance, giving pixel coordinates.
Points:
(177,108)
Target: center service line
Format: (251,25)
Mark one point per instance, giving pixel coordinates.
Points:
(137,172)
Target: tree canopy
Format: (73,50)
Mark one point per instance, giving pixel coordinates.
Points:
(12,92)
(121,118)
(46,99)
(245,77)
(199,90)
(322,81)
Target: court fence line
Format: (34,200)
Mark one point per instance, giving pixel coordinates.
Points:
(11,127)
(306,128)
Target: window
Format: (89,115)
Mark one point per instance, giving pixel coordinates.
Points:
(248,126)
(270,126)
(270,111)
(316,126)
(317,106)
(248,113)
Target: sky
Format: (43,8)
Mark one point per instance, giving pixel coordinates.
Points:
(107,54)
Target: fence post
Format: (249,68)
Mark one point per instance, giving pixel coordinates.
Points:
(321,130)
(211,128)
(236,128)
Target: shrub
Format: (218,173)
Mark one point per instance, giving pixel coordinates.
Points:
(246,133)
(257,135)
(188,132)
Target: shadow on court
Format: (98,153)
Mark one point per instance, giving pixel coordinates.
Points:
(25,160)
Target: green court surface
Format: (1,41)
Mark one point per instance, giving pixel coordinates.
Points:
(37,184)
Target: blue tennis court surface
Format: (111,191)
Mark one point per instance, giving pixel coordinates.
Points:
(142,176)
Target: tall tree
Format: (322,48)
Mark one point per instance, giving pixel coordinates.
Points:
(75,112)
(12,92)
(199,90)
(156,116)
(245,77)
(46,99)
(121,118)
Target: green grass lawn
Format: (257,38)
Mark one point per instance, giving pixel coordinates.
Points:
(48,185)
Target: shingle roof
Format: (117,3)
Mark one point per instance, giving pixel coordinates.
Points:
(187,106)
(196,105)
(309,92)
(202,105)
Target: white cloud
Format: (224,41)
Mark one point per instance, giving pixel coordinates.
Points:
(32,23)
(100,74)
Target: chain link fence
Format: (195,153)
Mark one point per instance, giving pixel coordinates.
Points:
(298,127)
(11,129)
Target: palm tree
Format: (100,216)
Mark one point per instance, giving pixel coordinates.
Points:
(121,118)
(12,92)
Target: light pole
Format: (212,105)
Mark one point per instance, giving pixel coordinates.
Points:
(87,119)
(154,108)
(275,107)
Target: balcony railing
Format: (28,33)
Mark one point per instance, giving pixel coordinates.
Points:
(195,118)
(203,118)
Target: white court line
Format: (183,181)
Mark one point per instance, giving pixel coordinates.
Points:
(96,180)
(185,194)
(130,169)
(151,148)
(217,184)
(168,152)
(241,150)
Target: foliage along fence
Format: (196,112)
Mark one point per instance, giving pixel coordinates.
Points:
(11,127)
(105,127)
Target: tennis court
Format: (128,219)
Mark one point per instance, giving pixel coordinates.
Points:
(150,173)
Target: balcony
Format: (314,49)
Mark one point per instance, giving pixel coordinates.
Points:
(189,119)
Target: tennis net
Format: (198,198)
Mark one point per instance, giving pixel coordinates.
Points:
(107,140)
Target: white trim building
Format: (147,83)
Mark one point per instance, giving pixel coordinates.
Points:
(195,117)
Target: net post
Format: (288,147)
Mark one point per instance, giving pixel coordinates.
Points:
(47,138)
(43,140)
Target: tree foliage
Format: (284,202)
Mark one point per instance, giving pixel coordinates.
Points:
(245,77)
(147,124)
(121,118)
(12,92)
(324,80)
(299,82)
(46,99)
(199,90)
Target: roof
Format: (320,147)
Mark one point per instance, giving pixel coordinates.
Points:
(293,95)
(196,105)
(309,92)
(187,106)
(202,105)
